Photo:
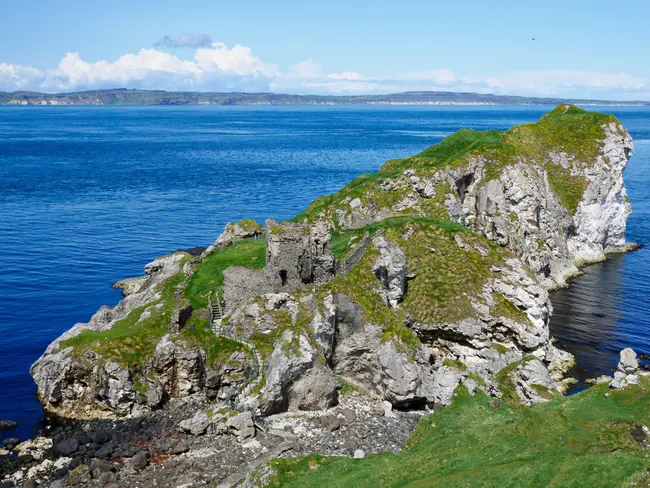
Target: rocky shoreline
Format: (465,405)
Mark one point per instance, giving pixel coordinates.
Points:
(335,332)
(155,450)
(179,446)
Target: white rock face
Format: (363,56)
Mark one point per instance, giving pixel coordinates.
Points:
(390,268)
(519,208)
(295,378)
(600,220)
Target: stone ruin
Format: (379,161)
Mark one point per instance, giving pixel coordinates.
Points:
(296,256)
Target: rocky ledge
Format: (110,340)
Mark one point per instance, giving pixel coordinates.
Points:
(406,284)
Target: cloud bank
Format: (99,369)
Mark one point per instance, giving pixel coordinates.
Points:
(185,40)
(216,67)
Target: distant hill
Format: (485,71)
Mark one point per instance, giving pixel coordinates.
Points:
(160,97)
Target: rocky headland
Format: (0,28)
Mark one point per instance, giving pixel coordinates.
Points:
(335,332)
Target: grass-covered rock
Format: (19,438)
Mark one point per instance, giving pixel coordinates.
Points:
(154,345)
(537,189)
(408,282)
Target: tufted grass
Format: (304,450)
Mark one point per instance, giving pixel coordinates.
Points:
(444,278)
(131,340)
(583,441)
(208,276)
(342,241)
(567,129)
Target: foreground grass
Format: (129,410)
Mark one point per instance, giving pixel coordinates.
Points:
(592,439)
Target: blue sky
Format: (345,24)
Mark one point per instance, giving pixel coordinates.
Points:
(581,49)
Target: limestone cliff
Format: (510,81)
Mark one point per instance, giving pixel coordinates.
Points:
(431,273)
(551,191)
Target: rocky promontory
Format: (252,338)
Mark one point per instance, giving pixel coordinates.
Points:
(431,274)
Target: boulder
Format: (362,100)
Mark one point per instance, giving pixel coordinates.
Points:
(180,447)
(242,426)
(198,424)
(627,370)
(139,461)
(296,378)
(67,447)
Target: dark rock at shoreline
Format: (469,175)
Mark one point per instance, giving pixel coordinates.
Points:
(194,251)
(8,424)
(67,446)
(11,442)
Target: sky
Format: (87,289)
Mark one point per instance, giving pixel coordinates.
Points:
(570,48)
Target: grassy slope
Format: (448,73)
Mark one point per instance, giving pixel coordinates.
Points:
(208,276)
(565,129)
(131,340)
(586,440)
(444,281)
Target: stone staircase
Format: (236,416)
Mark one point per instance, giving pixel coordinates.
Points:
(216,311)
(254,377)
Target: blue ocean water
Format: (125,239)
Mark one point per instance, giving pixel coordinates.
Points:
(89,195)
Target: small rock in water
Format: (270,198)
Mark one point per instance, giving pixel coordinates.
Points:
(11,442)
(8,424)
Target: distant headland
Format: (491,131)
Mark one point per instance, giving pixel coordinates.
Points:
(123,96)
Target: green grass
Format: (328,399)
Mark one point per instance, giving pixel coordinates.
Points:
(445,279)
(505,308)
(455,148)
(567,129)
(131,340)
(500,348)
(583,441)
(345,387)
(342,241)
(506,383)
(455,365)
(208,276)
(217,349)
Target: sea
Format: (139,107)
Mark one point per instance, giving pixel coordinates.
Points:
(89,195)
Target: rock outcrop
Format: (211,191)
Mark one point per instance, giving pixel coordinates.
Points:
(627,370)
(405,284)
(552,192)
(132,358)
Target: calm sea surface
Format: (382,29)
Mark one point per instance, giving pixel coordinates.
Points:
(89,195)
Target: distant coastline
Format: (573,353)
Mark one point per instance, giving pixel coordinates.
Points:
(160,97)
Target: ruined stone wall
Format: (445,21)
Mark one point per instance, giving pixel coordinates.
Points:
(240,283)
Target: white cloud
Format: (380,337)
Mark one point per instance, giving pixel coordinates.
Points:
(214,68)
(217,67)
(304,69)
(185,40)
(14,77)
(238,60)
(347,75)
